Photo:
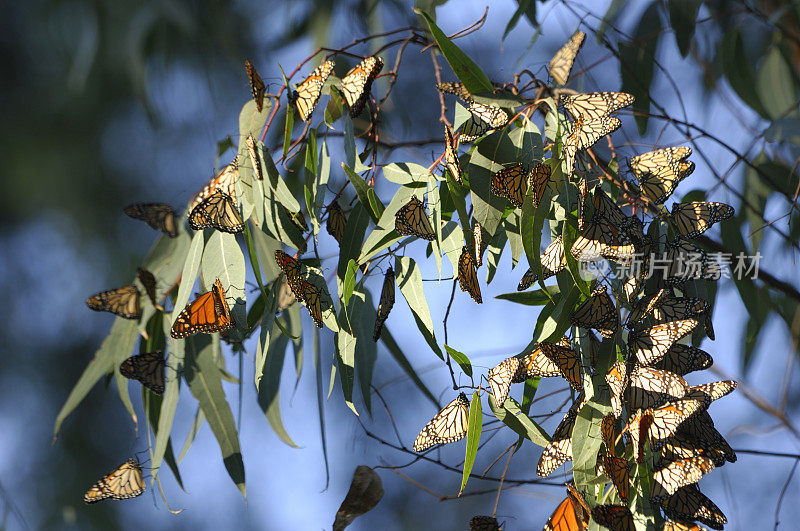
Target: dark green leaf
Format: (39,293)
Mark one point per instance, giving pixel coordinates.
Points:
(682,15)
(531,298)
(469,73)
(637,61)
(461,359)
(737,68)
(775,85)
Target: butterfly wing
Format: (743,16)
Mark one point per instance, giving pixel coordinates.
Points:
(467,277)
(386,303)
(307,93)
(336,221)
(651,344)
(208,313)
(596,105)
(120,301)
(693,219)
(148,368)
(511,183)
(553,261)
(598,312)
(217,211)
(252,150)
(358,81)
(451,155)
(449,425)
(225,182)
(149,282)
(412,220)
(483,119)
(257,86)
(124,482)
(561,63)
(158,216)
(500,378)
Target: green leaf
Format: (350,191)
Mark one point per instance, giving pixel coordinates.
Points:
(197,423)
(384,234)
(409,279)
(223,260)
(469,73)
(203,378)
(354,230)
(524,7)
(334,110)
(494,251)
(610,18)
(365,194)
(278,190)
(492,153)
(400,358)
(558,322)
(512,416)
(474,427)
(345,360)
(406,173)
(775,85)
(321,403)
(268,386)
(539,297)
(251,121)
(349,281)
(682,15)
(190,268)
(586,442)
(738,70)
(452,243)
(117,346)
(461,359)
(366,350)
(287,130)
(784,130)
(637,63)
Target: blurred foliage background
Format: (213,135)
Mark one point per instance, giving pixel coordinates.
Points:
(104,103)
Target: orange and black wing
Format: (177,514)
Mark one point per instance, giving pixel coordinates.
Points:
(208,313)
(120,301)
(257,86)
(148,368)
(158,216)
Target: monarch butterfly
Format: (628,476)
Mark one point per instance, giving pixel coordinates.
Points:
(412,220)
(218,211)
(511,183)
(651,344)
(688,503)
(596,105)
(456,89)
(257,86)
(336,221)
(386,303)
(147,368)
(616,517)
(598,312)
(208,313)
(482,120)
(644,308)
(123,482)
(559,449)
(617,380)
(120,301)
(467,277)
(500,378)
(674,308)
(568,362)
(481,236)
(681,446)
(313,301)
(225,182)
(616,468)
(601,238)
(584,134)
(674,525)
(307,93)
(701,431)
(561,63)
(692,219)
(449,425)
(291,267)
(659,172)
(149,283)
(687,261)
(714,390)
(552,260)
(572,514)
(483,523)
(357,82)
(659,423)
(539,179)
(649,388)
(451,155)
(535,365)
(606,208)
(608,434)
(258,170)
(158,216)
(679,474)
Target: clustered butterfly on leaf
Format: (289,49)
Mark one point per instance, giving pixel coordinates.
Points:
(654,417)
(663,419)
